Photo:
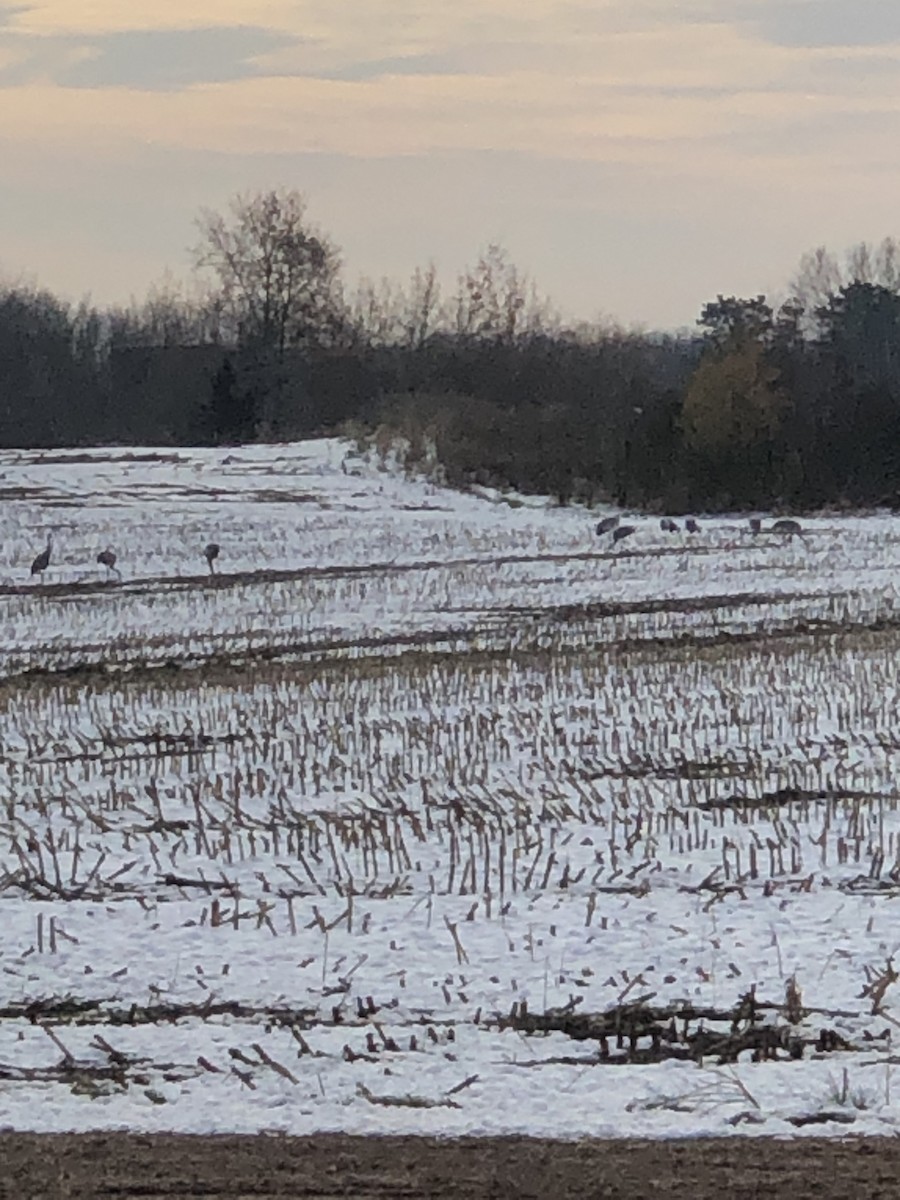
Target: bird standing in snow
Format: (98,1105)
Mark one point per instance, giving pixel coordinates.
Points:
(211,553)
(42,562)
(607,525)
(788,527)
(107,558)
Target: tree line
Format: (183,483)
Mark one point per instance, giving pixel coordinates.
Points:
(793,406)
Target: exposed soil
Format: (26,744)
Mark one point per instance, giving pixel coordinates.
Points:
(48,589)
(120,1165)
(169,657)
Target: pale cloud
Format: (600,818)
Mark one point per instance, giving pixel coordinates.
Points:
(396,115)
(9,58)
(616,112)
(400,23)
(63,17)
(725,130)
(148,60)
(705,55)
(813,23)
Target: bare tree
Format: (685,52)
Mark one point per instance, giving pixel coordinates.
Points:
(887,264)
(860,264)
(387,314)
(170,315)
(376,313)
(817,279)
(820,276)
(277,276)
(492,296)
(423,304)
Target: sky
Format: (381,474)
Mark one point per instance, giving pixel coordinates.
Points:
(634,157)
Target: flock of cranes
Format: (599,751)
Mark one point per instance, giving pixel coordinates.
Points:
(608,525)
(786,527)
(107,558)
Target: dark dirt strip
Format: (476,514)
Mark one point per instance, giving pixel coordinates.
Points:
(504,625)
(63,1166)
(44,589)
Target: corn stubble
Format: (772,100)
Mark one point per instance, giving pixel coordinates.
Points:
(608,758)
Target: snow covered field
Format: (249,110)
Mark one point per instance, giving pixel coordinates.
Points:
(438,812)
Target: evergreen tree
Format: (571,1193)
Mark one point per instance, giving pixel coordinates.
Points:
(230,414)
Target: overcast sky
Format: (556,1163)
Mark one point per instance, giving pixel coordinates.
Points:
(634,156)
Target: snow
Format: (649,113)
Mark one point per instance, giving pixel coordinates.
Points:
(441,755)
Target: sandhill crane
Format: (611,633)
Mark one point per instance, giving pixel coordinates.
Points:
(755,525)
(667,525)
(42,562)
(607,525)
(691,525)
(211,553)
(623,531)
(107,558)
(788,526)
